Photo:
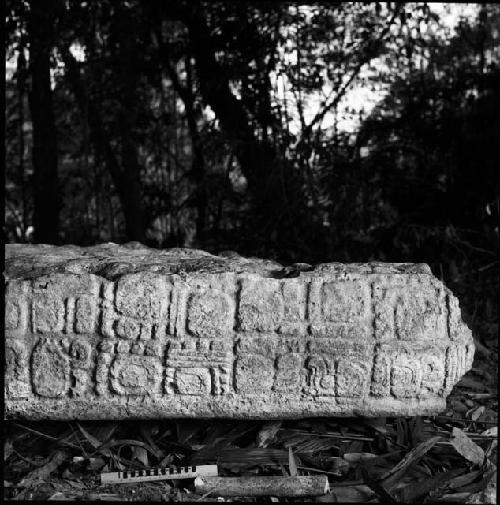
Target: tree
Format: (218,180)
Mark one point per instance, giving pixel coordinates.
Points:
(40,25)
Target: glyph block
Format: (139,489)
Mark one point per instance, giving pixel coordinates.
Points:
(128,332)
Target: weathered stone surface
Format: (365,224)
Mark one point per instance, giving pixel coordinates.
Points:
(115,332)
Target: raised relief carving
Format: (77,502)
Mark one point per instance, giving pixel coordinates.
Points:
(261,305)
(340,369)
(353,378)
(459,358)
(48,313)
(50,369)
(417,316)
(433,373)
(143,296)
(136,306)
(17,378)
(85,314)
(81,353)
(102,370)
(289,372)
(254,374)
(406,376)
(406,371)
(321,375)
(12,315)
(81,368)
(344,301)
(210,314)
(340,339)
(127,328)
(65,303)
(409,312)
(193,381)
(135,375)
(340,309)
(16,309)
(381,375)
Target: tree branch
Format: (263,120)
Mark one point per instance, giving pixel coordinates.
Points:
(369,54)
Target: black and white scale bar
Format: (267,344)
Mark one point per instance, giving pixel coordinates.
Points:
(152,474)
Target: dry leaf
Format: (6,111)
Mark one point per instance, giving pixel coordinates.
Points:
(393,475)
(140,454)
(147,431)
(58,496)
(463,480)
(93,441)
(352,494)
(466,447)
(267,434)
(382,493)
(476,413)
(491,432)
(44,471)
(416,491)
(488,494)
(378,424)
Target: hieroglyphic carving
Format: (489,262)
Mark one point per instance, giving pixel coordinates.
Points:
(405,371)
(81,367)
(136,306)
(208,313)
(209,360)
(16,307)
(406,310)
(17,369)
(459,359)
(321,375)
(340,309)
(65,303)
(50,369)
(261,305)
(340,369)
(208,336)
(132,374)
(267,362)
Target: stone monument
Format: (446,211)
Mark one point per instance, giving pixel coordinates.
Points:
(128,332)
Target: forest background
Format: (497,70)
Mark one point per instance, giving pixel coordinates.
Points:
(303,133)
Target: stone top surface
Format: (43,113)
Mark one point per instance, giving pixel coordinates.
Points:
(112,260)
(127,332)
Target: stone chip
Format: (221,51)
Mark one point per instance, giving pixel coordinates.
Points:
(129,332)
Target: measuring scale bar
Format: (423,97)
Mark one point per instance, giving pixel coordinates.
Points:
(152,474)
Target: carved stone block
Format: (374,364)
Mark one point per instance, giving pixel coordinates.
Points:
(115,332)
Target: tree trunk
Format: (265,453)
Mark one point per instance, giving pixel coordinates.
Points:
(21,76)
(46,191)
(198,165)
(198,158)
(264,171)
(129,197)
(132,188)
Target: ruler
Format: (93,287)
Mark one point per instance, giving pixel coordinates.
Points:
(152,474)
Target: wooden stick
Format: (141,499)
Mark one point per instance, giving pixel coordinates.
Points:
(315,485)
